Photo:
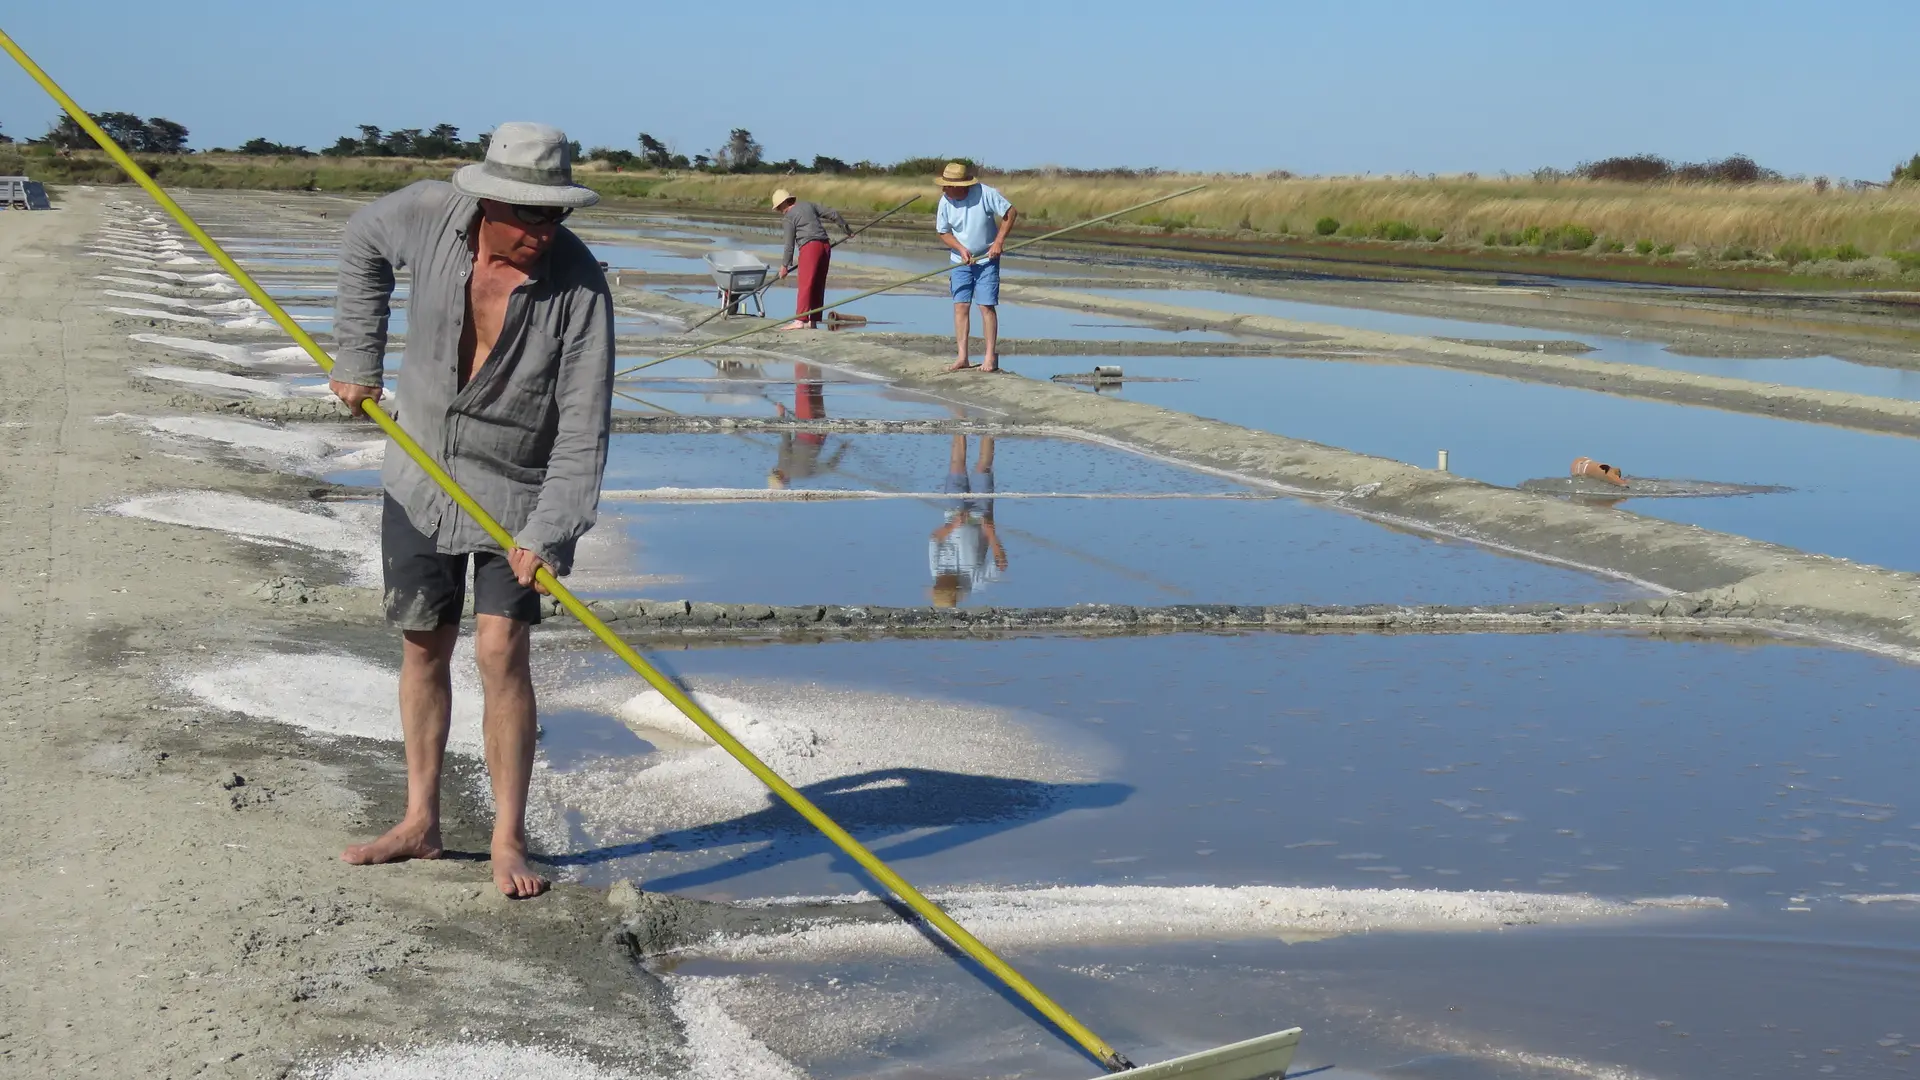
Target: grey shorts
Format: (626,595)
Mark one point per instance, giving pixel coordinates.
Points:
(426,589)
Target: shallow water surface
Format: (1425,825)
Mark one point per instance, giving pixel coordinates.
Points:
(1704,996)
(1613,764)
(1814,372)
(1770,775)
(924,313)
(1504,431)
(693,386)
(963,537)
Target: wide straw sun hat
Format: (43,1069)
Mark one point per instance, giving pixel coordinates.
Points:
(780,195)
(526,165)
(957,174)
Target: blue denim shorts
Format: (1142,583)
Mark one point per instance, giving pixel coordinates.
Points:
(976,283)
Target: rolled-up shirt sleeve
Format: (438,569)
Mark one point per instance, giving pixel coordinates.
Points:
(375,246)
(583,391)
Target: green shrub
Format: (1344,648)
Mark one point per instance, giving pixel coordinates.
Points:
(1394,230)
(1792,254)
(1490,239)
(1907,260)
(1326,226)
(1353,229)
(1848,253)
(1737,253)
(1433,236)
(1531,236)
(1614,247)
(1567,238)
(1644,247)
(1663,249)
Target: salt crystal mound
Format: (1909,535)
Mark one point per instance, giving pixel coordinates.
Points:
(806,733)
(309,450)
(238,355)
(221,307)
(215,289)
(217,380)
(216,307)
(258,521)
(718,1046)
(168,275)
(463,1061)
(1086,914)
(163,316)
(333,695)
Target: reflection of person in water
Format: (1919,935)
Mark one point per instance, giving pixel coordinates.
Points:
(959,550)
(800,451)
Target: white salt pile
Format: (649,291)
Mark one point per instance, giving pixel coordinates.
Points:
(257,521)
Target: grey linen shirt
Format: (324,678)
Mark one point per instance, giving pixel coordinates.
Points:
(804,226)
(527,436)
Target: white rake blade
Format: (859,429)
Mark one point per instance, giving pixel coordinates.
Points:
(1250,1059)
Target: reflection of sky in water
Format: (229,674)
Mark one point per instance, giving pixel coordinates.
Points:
(657,260)
(695,386)
(1551,762)
(921,313)
(738,397)
(1816,372)
(1845,500)
(1770,775)
(1358,318)
(1056,551)
(1699,994)
(896,463)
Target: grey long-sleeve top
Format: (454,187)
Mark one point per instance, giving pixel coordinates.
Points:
(804,226)
(527,436)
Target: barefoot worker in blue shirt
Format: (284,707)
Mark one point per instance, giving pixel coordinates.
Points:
(974,220)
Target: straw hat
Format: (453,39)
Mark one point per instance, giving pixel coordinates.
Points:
(780,195)
(526,165)
(957,175)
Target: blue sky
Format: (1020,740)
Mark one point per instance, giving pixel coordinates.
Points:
(1342,86)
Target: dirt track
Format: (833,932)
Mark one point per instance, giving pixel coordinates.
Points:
(175,907)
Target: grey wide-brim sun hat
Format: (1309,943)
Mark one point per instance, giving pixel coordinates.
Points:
(527,165)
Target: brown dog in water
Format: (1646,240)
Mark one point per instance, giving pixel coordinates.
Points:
(1585,466)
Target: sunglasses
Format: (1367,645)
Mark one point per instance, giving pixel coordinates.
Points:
(541,215)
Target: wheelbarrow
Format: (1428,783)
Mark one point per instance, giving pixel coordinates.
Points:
(739,277)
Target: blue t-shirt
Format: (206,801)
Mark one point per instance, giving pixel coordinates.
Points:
(974,220)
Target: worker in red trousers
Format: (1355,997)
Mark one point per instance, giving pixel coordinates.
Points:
(807,230)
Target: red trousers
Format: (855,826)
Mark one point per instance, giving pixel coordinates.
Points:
(814,256)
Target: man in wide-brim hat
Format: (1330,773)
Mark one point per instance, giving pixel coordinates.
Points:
(507,384)
(973,220)
(806,228)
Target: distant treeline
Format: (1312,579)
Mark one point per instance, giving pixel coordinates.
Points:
(740,152)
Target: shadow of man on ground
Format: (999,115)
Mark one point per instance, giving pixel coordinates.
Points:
(873,805)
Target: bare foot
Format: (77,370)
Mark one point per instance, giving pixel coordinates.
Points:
(515,878)
(961,365)
(991,367)
(407,840)
(798,324)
